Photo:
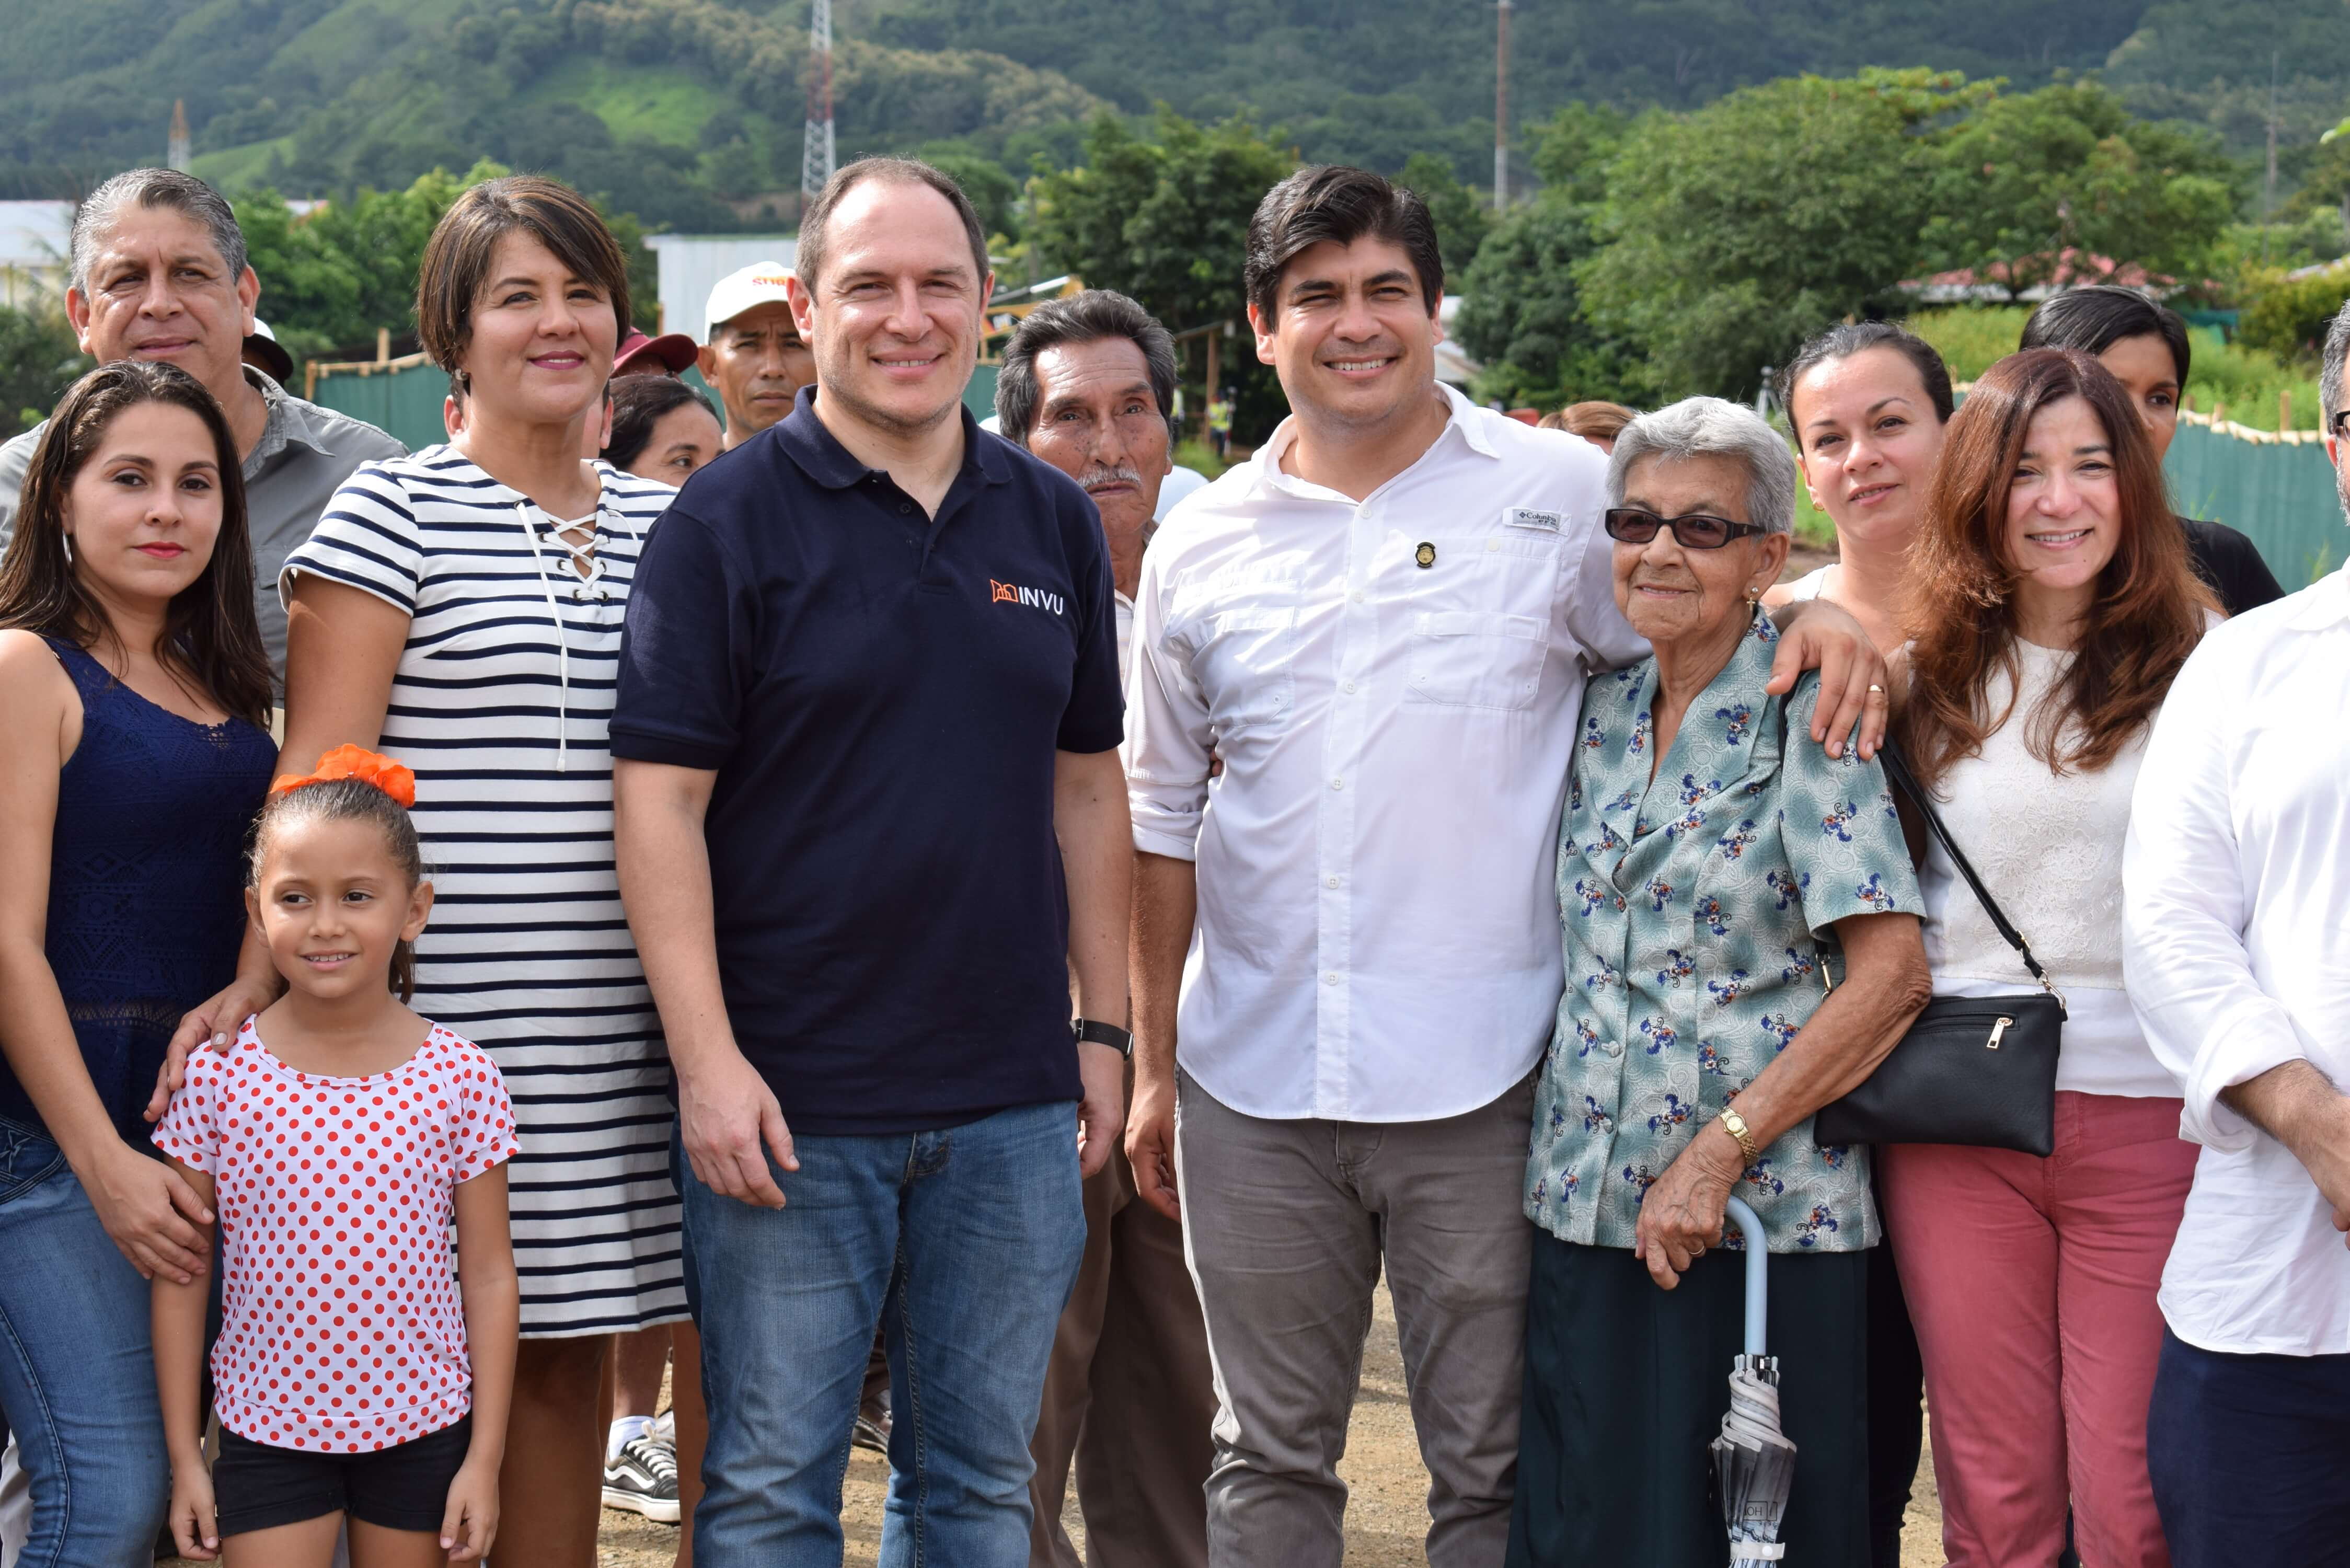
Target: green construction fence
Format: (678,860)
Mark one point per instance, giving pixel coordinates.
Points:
(2278,488)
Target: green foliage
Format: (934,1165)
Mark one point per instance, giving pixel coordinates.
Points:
(2288,316)
(992,188)
(1573,150)
(1522,316)
(38,361)
(2027,177)
(1166,220)
(1737,231)
(1971,339)
(1461,220)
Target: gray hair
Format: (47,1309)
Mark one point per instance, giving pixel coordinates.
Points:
(1090,317)
(2329,374)
(1708,427)
(155,188)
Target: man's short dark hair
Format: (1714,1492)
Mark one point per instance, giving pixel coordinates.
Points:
(2095,318)
(817,217)
(154,188)
(1090,317)
(1340,204)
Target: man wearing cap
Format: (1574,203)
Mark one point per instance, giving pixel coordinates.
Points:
(159,273)
(752,353)
(264,353)
(1086,384)
(671,354)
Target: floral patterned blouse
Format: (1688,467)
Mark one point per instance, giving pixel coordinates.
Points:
(1696,908)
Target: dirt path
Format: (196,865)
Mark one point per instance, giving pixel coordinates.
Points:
(1387,1510)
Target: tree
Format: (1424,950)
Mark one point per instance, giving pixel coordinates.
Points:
(1737,231)
(1523,313)
(989,186)
(1461,220)
(1166,221)
(38,361)
(2030,177)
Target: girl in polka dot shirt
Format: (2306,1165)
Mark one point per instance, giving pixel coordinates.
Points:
(358,1374)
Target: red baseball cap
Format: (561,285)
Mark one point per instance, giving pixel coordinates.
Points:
(671,353)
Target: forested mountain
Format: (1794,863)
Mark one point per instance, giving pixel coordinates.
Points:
(688,111)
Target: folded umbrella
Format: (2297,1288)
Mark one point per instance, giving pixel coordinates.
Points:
(1753,1463)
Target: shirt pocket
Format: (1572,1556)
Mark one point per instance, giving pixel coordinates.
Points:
(1475,658)
(1243,643)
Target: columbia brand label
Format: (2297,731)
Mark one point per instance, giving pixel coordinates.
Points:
(1527,518)
(1013,594)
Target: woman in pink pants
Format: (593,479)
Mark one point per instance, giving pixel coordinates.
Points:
(2064,606)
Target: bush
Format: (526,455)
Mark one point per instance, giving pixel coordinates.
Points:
(2288,316)
(38,361)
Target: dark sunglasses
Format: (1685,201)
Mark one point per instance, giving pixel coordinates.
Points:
(1697,531)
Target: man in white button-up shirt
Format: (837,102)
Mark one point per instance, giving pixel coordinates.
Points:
(1382,624)
(2236,952)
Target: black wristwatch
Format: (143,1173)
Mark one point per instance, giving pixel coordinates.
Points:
(1100,1034)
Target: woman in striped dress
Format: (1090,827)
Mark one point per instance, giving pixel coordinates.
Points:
(460,609)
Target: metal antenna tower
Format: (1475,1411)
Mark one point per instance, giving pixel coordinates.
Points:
(1501,105)
(817,148)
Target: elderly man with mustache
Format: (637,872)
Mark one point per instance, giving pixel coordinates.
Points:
(1088,383)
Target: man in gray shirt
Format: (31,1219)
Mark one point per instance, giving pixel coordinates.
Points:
(160,273)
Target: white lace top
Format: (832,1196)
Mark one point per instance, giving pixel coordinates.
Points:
(2049,848)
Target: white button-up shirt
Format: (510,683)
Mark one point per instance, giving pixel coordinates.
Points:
(2236,953)
(1377,937)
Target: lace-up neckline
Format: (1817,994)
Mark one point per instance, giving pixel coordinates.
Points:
(586,571)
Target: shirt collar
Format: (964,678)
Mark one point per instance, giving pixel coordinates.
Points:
(288,424)
(2325,603)
(818,453)
(1464,419)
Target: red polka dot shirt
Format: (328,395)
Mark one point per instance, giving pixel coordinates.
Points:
(342,1331)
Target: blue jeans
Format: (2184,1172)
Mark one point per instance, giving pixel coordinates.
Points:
(963,1245)
(2248,1455)
(77,1369)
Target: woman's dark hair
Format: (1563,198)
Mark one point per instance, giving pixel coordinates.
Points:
(1857,337)
(638,404)
(2150,607)
(2095,318)
(1340,204)
(347,800)
(211,634)
(464,246)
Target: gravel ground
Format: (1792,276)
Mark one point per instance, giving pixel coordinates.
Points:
(1387,1513)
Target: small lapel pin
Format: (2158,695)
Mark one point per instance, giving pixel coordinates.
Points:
(1425,555)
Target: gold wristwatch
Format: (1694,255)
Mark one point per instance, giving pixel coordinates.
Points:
(1735,1126)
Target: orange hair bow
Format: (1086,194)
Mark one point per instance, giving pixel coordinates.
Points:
(356,762)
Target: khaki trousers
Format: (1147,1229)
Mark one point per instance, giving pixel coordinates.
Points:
(1289,1223)
(1129,1396)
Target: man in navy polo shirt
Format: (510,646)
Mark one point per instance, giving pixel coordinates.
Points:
(871,815)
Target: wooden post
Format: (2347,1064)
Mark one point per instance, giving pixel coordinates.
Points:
(1214,341)
(2219,411)
(2284,408)
(310,381)
(383,345)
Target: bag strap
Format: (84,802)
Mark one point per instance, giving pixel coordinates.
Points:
(1897,768)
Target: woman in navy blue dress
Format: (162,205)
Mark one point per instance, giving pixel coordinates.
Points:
(134,697)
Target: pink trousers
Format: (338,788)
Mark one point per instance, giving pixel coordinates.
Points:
(2032,1282)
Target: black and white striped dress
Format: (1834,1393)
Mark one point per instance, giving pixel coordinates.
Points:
(501,705)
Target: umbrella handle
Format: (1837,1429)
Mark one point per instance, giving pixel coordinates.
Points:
(1758,1261)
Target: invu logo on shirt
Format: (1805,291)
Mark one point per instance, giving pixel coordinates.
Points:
(1012,594)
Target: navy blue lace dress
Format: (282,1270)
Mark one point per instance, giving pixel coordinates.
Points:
(146,881)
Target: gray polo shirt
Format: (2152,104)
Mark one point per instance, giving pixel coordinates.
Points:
(304,455)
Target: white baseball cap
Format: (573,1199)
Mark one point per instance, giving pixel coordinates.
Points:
(761,283)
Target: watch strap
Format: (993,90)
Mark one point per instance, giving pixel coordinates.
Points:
(1092,1031)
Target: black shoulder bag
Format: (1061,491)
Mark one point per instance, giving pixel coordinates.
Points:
(1974,1070)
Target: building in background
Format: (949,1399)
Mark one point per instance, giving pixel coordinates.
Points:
(692,264)
(35,239)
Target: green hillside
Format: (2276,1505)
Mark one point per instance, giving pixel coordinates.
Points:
(688,111)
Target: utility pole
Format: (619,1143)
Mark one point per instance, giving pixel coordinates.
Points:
(1501,105)
(816,151)
(2268,191)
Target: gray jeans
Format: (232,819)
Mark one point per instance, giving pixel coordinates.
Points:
(1285,1224)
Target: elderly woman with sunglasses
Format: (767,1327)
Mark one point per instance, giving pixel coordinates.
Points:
(1714,865)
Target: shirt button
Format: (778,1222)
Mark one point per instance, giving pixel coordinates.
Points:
(1337,783)
(904,507)
(1613,1049)
(1330,979)
(1360,596)
(1350,686)
(1334,881)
